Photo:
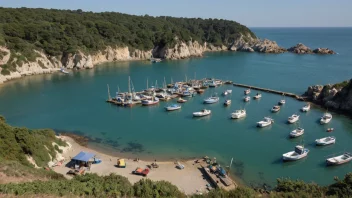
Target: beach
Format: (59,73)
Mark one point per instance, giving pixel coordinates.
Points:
(190,180)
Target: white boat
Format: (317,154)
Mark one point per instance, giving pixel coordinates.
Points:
(257,96)
(229,91)
(225,93)
(247,99)
(238,114)
(211,100)
(292,119)
(297,132)
(202,113)
(181,100)
(173,107)
(326,118)
(227,102)
(212,83)
(306,108)
(299,153)
(341,159)
(180,166)
(265,122)
(152,101)
(247,91)
(275,108)
(325,141)
(282,102)
(63,71)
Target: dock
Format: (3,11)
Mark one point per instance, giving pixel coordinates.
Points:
(225,183)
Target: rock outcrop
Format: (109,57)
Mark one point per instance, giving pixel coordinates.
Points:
(323,51)
(180,51)
(256,45)
(302,49)
(336,97)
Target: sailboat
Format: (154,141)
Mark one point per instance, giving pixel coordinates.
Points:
(129,97)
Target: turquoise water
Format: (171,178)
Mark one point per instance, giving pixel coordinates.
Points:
(75,103)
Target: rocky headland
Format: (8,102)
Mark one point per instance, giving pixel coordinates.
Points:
(337,97)
(300,48)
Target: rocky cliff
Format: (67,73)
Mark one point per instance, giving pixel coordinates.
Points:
(302,49)
(336,97)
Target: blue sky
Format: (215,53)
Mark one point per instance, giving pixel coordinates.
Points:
(252,13)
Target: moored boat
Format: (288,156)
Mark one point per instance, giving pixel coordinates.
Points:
(211,100)
(257,96)
(64,71)
(299,153)
(238,114)
(326,118)
(325,141)
(227,102)
(200,91)
(173,107)
(275,108)
(247,99)
(265,122)
(181,100)
(297,132)
(330,129)
(152,101)
(202,113)
(306,108)
(292,119)
(282,102)
(247,91)
(341,159)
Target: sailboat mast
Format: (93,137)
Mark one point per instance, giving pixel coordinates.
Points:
(147,83)
(109,96)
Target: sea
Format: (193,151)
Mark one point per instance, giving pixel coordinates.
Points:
(75,103)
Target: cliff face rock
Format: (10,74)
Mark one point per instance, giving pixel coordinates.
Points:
(337,97)
(302,49)
(4,55)
(180,51)
(256,45)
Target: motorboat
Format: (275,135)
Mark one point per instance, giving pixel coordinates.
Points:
(292,119)
(181,100)
(257,96)
(202,113)
(341,159)
(227,102)
(152,101)
(247,99)
(325,141)
(275,108)
(306,108)
(282,102)
(299,153)
(226,92)
(238,114)
(200,91)
(326,118)
(247,91)
(330,129)
(173,107)
(265,122)
(64,71)
(211,100)
(180,166)
(212,83)
(297,132)
(187,94)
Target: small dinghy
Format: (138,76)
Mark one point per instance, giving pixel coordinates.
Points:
(330,129)
(306,108)
(181,100)
(180,166)
(341,159)
(173,107)
(297,132)
(325,141)
(246,92)
(238,114)
(202,113)
(265,122)
(292,119)
(275,108)
(299,153)
(326,118)
(247,99)
(282,102)
(257,96)
(227,102)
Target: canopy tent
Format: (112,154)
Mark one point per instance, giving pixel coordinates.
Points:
(84,156)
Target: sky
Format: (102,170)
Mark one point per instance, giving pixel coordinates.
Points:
(252,13)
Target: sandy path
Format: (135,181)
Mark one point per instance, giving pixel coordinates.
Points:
(188,180)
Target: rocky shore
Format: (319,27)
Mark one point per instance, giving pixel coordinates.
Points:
(337,97)
(302,49)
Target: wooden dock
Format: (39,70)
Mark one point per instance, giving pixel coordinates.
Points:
(225,183)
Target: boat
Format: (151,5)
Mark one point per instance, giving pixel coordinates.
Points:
(247,91)
(275,108)
(306,108)
(152,101)
(330,130)
(299,153)
(265,122)
(212,83)
(341,159)
(227,102)
(257,96)
(211,100)
(180,166)
(292,119)
(200,91)
(228,82)
(226,92)
(64,71)
(282,102)
(297,132)
(202,113)
(173,107)
(181,100)
(155,60)
(247,99)
(238,114)
(326,118)
(325,141)
(187,94)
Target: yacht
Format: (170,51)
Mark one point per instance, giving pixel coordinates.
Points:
(265,122)
(202,113)
(275,108)
(297,132)
(211,100)
(238,114)
(326,118)
(173,107)
(292,119)
(257,96)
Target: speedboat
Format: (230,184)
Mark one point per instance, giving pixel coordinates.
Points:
(297,132)
(211,100)
(325,141)
(265,122)
(227,102)
(299,153)
(202,113)
(247,99)
(330,129)
(152,101)
(306,108)
(238,114)
(326,118)
(275,108)
(173,107)
(247,91)
(282,102)
(257,96)
(181,100)
(341,159)
(292,119)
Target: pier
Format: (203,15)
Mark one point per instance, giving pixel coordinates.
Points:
(222,182)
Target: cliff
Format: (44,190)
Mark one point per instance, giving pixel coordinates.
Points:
(336,97)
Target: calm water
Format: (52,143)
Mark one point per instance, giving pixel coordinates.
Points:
(75,103)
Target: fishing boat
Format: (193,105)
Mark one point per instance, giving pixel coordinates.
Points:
(202,113)
(306,108)
(265,122)
(257,96)
(181,100)
(173,107)
(297,132)
(247,98)
(341,159)
(247,91)
(238,114)
(275,108)
(211,100)
(326,118)
(325,141)
(292,119)
(200,91)
(299,153)
(62,70)
(282,102)
(330,129)
(212,83)
(227,102)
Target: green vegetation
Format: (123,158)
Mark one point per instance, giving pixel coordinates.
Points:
(341,84)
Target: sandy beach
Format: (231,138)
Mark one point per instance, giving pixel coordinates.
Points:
(189,180)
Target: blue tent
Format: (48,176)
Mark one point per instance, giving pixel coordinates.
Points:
(84,156)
